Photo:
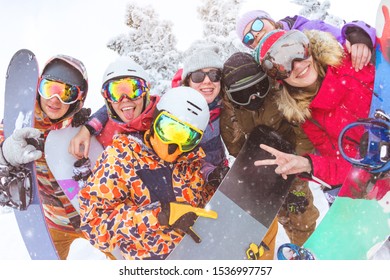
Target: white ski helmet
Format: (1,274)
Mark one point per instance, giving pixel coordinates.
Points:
(187,104)
(124,66)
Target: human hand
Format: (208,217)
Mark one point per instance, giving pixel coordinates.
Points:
(79,145)
(360,55)
(17,150)
(287,164)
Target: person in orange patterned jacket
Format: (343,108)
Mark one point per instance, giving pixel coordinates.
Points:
(146,189)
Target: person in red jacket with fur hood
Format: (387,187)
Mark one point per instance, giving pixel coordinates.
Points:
(321,92)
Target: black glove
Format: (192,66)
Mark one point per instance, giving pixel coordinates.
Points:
(81,117)
(82,169)
(296,202)
(182,216)
(216,176)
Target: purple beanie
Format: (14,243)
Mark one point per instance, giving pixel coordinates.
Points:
(246,18)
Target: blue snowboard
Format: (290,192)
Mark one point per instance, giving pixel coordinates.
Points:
(358,221)
(20,95)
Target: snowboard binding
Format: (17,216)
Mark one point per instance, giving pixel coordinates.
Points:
(372,150)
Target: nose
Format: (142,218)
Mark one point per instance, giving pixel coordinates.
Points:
(54,100)
(207,79)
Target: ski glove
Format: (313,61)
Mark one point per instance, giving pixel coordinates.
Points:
(81,117)
(216,176)
(18,148)
(296,202)
(182,216)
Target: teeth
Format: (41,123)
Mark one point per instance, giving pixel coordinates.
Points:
(304,71)
(127,108)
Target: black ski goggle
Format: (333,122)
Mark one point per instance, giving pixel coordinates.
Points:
(242,92)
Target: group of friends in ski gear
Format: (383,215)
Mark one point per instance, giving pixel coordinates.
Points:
(165,154)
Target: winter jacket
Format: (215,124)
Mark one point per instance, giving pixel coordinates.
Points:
(59,212)
(355,32)
(104,127)
(344,97)
(123,196)
(237,123)
(211,142)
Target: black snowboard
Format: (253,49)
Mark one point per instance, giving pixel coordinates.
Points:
(247,201)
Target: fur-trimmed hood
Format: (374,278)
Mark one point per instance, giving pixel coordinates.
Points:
(325,48)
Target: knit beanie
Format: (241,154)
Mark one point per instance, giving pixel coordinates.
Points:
(246,18)
(266,43)
(203,58)
(240,66)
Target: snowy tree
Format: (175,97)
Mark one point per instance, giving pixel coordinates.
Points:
(219,21)
(314,9)
(151,43)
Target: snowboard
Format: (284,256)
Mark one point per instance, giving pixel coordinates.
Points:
(62,163)
(247,201)
(20,96)
(359,218)
(71,174)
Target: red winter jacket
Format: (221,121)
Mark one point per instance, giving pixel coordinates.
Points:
(344,97)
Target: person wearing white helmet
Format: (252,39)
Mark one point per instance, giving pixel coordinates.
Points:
(147,190)
(129,106)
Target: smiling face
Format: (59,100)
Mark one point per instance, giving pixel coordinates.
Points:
(207,88)
(128,109)
(303,74)
(53,107)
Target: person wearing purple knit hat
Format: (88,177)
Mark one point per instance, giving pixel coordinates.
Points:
(357,36)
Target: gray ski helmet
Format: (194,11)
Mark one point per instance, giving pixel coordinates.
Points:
(68,70)
(124,66)
(187,104)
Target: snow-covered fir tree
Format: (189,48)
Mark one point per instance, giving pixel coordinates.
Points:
(314,9)
(219,25)
(151,43)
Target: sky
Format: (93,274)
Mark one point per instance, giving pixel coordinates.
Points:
(82,29)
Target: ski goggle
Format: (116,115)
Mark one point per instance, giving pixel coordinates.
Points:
(243,91)
(170,130)
(279,60)
(257,25)
(199,76)
(371,150)
(132,88)
(68,94)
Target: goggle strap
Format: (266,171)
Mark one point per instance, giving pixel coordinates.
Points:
(246,84)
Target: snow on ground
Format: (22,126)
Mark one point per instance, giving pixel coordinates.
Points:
(12,247)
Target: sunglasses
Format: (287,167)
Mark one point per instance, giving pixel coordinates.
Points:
(199,76)
(171,130)
(67,94)
(132,88)
(279,60)
(256,26)
(242,92)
